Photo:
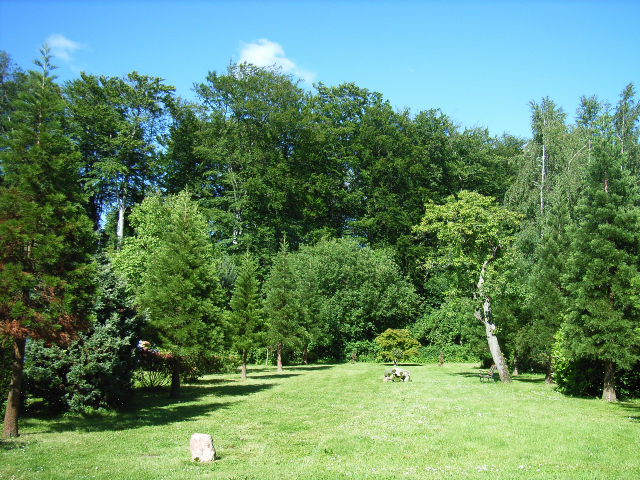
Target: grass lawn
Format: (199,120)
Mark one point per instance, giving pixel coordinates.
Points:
(340,422)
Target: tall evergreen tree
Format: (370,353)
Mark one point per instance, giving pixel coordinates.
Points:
(603,279)
(46,269)
(246,312)
(282,305)
(180,288)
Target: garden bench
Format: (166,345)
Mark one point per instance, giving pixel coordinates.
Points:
(488,375)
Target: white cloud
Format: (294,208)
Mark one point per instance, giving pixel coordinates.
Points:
(62,47)
(265,53)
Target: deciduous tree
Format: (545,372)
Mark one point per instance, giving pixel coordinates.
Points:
(469,233)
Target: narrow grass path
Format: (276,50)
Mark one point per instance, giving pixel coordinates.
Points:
(326,422)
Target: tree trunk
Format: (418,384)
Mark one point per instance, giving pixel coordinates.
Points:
(243,371)
(175,379)
(10,428)
(485,317)
(516,372)
(304,355)
(279,357)
(548,378)
(266,363)
(609,392)
(496,352)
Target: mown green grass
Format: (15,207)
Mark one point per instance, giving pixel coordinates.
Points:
(325,422)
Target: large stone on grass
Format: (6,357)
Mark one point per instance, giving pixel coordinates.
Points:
(202,447)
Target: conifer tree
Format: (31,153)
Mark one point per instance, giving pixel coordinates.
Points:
(603,279)
(180,288)
(246,315)
(46,238)
(282,305)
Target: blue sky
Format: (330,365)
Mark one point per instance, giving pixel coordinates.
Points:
(479,62)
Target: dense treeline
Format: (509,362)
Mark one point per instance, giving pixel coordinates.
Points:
(264,218)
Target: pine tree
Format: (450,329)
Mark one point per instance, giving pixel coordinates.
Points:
(180,289)
(46,271)
(246,315)
(602,279)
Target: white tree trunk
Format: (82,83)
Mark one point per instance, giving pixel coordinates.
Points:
(484,316)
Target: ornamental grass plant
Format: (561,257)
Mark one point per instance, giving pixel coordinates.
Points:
(340,421)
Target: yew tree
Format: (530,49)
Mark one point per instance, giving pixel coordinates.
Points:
(46,238)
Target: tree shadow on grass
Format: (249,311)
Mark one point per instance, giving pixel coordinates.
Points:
(466,374)
(630,409)
(527,379)
(150,408)
(274,376)
(306,368)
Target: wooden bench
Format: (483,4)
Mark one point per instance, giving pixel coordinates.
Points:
(488,375)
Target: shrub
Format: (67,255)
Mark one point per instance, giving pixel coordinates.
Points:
(95,369)
(366,351)
(101,372)
(397,344)
(45,375)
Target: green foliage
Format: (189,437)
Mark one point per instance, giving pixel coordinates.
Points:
(366,351)
(396,345)
(362,292)
(246,309)
(253,142)
(602,277)
(46,271)
(96,369)
(452,329)
(282,305)
(45,375)
(180,288)
(45,236)
(451,353)
(116,124)
(582,377)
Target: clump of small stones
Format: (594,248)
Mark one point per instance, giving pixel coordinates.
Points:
(396,374)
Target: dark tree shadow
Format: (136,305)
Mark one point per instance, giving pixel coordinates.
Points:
(521,379)
(631,409)
(274,376)
(465,374)
(151,408)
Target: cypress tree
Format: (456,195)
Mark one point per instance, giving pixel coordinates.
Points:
(46,238)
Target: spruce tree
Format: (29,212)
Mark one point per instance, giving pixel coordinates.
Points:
(46,271)
(246,312)
(180,288)
(602,280)
(282,304)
